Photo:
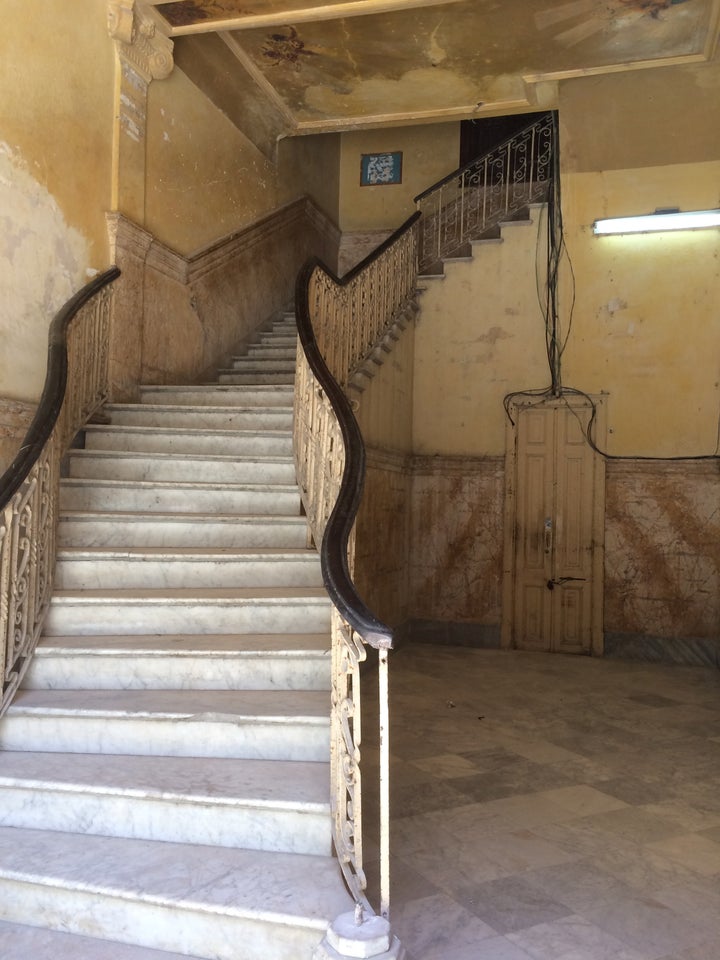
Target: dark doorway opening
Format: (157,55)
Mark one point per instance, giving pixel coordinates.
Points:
(481,135)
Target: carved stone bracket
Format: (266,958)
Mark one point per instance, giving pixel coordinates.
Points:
(139,41)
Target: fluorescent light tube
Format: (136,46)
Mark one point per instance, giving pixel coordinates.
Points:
(660,220)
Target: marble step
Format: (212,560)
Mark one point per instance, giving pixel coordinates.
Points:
(87,569)
(262,351)
(181,661)
(267,378)
(278,338)
(196,900)
(249,364)
(203,440)
(128,465)
(92,528)
(21,942)
(149,496)
(198,417)
(218,394)
(255,804)
(247,724)
(204,610)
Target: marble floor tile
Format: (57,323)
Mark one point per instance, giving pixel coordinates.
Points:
(692,850)
(438,925)
(510,904)
(573,938)
(579,819)
(580,885)
(648,926)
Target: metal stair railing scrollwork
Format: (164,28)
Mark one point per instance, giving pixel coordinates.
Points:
(339,323)
(75,386)
(475,198)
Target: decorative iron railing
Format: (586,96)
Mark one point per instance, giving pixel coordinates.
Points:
(478,196)
(75,386)
(339,323)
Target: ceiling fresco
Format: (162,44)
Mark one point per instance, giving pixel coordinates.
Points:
(344,63)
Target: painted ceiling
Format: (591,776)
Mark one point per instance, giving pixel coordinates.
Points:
(339,64)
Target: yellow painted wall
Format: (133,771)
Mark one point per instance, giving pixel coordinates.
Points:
(55,158)
(480,335)
(429,153)
(205,179)
(646,322)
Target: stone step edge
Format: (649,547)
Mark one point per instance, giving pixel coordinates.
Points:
(45,943)
(48,876)
(223,646)
(156,792)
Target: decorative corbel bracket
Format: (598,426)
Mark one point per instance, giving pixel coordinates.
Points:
(139,40)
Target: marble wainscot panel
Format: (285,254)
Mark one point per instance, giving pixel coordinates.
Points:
(662,560)
(456,548)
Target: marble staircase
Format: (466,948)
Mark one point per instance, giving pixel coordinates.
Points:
(164,776)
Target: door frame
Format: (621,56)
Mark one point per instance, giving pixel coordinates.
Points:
(515,408)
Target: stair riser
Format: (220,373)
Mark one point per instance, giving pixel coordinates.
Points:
(130,467)
(241,377)
(90,496)
(73,671)
(214,935)
(68,617)
(144,415)
(145,532)
(172,820)
(267,352)
(204,736)
(124,573)
(226,445)
(215,396)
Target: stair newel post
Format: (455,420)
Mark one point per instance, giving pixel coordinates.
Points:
(384,738)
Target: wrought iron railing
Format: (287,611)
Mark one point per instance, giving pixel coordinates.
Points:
(339,323)
(474,199)
(75,386)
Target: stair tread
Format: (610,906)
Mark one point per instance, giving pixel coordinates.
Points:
(180,457)
(170,554)
(301,889)
(292,784)
(301,706)
(20,942)
(191,594)
(148,517)
(242,433)
(188,644)
(273,486)
(187,407)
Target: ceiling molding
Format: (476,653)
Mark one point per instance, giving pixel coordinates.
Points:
(307,14)
(260,79)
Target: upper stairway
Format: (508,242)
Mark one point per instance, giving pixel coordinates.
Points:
(164,775)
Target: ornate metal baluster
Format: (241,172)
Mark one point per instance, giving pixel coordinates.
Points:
(30,486)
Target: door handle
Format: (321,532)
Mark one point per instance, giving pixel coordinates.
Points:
(548,535)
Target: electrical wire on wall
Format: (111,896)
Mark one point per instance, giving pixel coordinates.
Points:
(547,282)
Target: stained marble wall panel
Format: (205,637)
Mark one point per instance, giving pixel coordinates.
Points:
(456,539)
(15,417)
(381,569)
(177,319)
(662,549)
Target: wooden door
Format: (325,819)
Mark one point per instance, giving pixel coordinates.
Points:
(554,529)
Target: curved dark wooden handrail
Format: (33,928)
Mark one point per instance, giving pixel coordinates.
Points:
(53,394)
(334,548)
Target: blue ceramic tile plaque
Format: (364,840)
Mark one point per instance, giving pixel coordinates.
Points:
(378,169)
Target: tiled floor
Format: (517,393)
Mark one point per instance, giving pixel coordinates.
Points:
(547,807)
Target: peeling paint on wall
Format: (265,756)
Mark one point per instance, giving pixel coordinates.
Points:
(42,263)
